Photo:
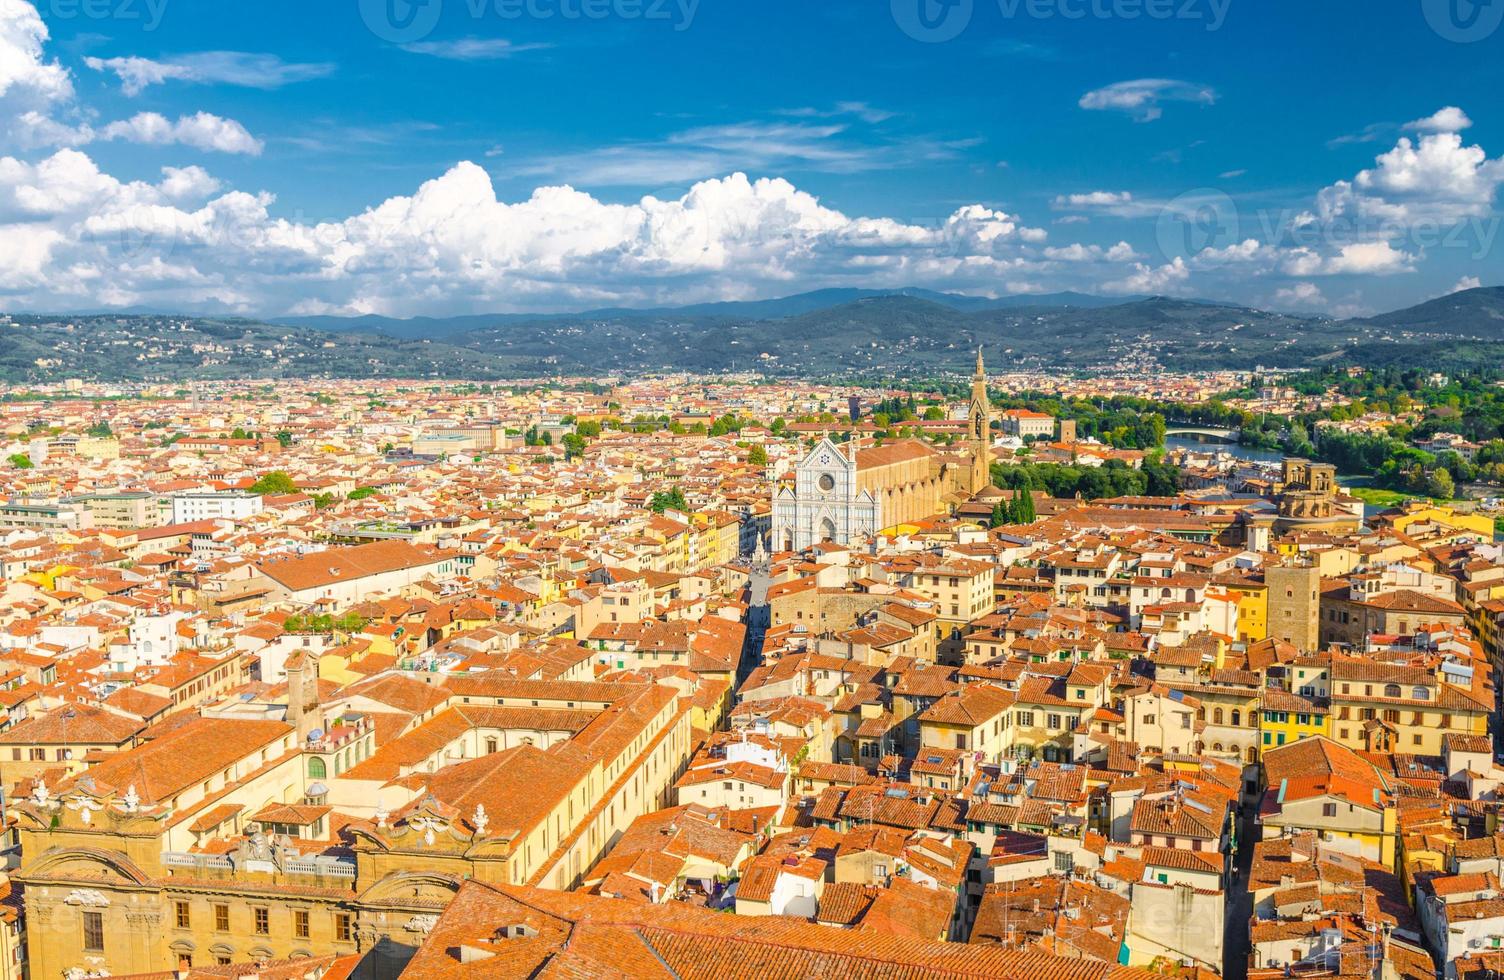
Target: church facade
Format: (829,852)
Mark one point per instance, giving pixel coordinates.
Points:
(848,492)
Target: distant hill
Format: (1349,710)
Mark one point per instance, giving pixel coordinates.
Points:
(766,309)
(867,333)
(147,347)
(1474,313)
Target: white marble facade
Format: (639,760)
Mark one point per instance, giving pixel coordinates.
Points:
(826,503)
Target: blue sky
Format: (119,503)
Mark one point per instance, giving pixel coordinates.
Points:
(387,156)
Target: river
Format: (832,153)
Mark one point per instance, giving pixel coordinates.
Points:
(1198,443)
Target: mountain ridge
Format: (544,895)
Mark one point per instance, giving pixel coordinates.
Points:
(888,334)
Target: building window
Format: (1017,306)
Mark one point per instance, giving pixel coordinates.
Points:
(263,921)
(221,918)
(342,930)
(316,768)
(300,923)
(182,914)
(94,932)
(1328,809)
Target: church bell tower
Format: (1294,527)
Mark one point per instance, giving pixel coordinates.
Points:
(981,430)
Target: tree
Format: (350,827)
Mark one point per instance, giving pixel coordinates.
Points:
(757,456)
(100,430)
(21,461)
(285,438)
(1023,507)
(574,445)
(323,501)
(934,414)
(668,500)
(1439,484)
(999,514)
(276,482)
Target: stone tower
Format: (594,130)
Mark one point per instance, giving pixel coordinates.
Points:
(1295,605)
(981,430)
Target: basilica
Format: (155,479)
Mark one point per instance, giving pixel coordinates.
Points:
(848,492)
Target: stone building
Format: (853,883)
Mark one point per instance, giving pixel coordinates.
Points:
(1295,605)
(850,492)
(257,839)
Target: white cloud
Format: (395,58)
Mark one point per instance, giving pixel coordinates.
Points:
(1076,252)
(25,74)
(203,131)
(1467,282)
(1093,199)
(1369,259)
(1436,180)
(471,48)
(1301,294)
(241,68)
(453,244)
(1141,98)
(702,152)
(188,183)
(1447,120)
(1165,279)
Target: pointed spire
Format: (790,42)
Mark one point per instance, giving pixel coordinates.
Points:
(981,370)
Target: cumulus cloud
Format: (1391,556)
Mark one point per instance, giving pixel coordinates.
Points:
(1465,283)
(1301,294)
(25,73)
(1447,120)
(1169,278)
(202,130)
(454,242)
(1436,180)
(1141,98)
(188,183)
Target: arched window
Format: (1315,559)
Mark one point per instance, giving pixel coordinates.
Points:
(1216,746)
(1216,716)
(316,768)
(1237,718)
(1392,691)
(1420,694)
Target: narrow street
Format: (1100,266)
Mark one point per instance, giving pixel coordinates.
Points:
(1235,944)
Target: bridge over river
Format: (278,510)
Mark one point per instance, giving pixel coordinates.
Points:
(1208,433)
